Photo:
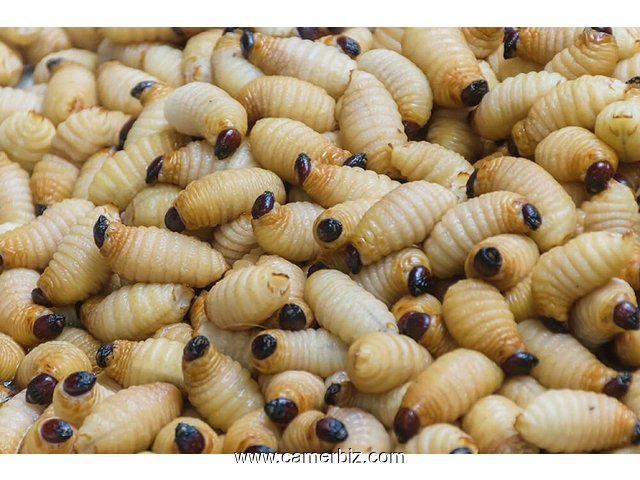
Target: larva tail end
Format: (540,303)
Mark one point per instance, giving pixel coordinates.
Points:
(56,430)
(263,205)
(331,395)
(520,363)
(510,40)
(329,230)
(40,209)
(102,355)
(531,216)
(263,346)
(189,440)
(302,167)
(413,131)
(356,160)
(38,297)
(292,317)
(40,389)
(154,169)
(598,176)
(414,324)
(349,46)
(48,327)
(315,266)
(618,386)
(354,262)
(173,221)
(627,316)
(124,132)
(195,348)
(555,326)
(471,183)
(79,383)
(259,449)
(464,450)
(281,410)
(418,281)
(247,40)
(331,430)
(227,142)
(487,262)
(136,92)
(309,33)
(473,93)
(100,230)
(406,424)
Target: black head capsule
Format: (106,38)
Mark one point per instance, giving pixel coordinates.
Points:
(263,205)
(463,450)
(173,221)
(315,267)
(487,261)
(153,170)
(38,297)
(471,183)
(53,63)
(281,410)
(124,132)
(473,93)
(329,230)
(356,160)
(103,354)
(227,142)
(413,131)
(618,386)
(56,430)
(40,389)
(263,346)
(40,209)
(48,327)
(309,33)
(100,230)
(607,30)
(555,326)
(331,430)
(247,41)
(188,439)
(353,259)
(229,30)
(414,324)
(531,216)
(335,30)
(627,316)
(635,437)
(195,348)
(331,395)
(136,92)
(598,176)
(302,167)
(510,40)
(79,383)
(292,317)
(512,148)
(418,280)
(259,449)
(406,424)
(633,81)
(349,46)
(520,363)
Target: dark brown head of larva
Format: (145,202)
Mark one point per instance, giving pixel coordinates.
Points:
(195,348)
(471,183)
(487,262)
(349,46)
(292,317)
(124,132)
(102,355)
(618,386)
(310,33)
(136,92)
(188,438)
(627,316)
(153,170)
(520,363)
(418,280)
(414,324)
(598,176)
(413,131)
(635,437)
(331,430)
(607,30)
(633,81)
(56,430)
(247,40)
(227,142)
(510,40)
(356,160)
(329,230)
(354,262)
(531,216)
(302,167)
(53,63)
(40,209)
(40,389)
(331,394)
(281,410)
(39,298)
(49,326)
(263,205)
(406,424)
(173,221)
(79,383)
(473,93)
(263,346)
(315,266)
(100,230)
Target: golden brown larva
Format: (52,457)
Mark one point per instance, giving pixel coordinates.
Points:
(18,100)
(505,68)
(626,348)
(148,207)
(25,137)
(22,36)
(165,63)
(88,170)
(521,390)
(84,341)
(617,125)
(187,435)
(614,209)
(88,59)
(632,398)
(114,83)
(49,434)
(539,44)
(196,56)
(291,393)
(451,129)
(16,417)
(631,271)
(49,40)
(11,66)
(84,37)
(313,431)
(16,203)
(234,344)
(365,432)
(628,68)
(235,239)
(230,70)
(352,41)
(142,34)
(333,228)
(11,354)
(253,432)
(52,181)
(388,37)
(179,332)
(440,438)
(55,358)
(483,40)
(152,96)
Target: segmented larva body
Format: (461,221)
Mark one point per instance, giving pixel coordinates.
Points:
(451,129)
(14,100)
(288,97)
(148,207)
(16,417)
(253,430)
(151,119)
(352,41)
(572,103)
(455,76)
(120,179)
(334,227)
(370,122)
(505,68)
(142,34)
(164,62)
(235,239)
(22,36)
(617,124)
(483,40)
(196,56)
(291,393)
(344,308)
(627,40)
(277,142)
(612,210)
(488,74)
(388,37)
(366,433)
(141,410)
(11,66)
(593,53)
(628,68)
(598,316)
(440,438)
(378,362)
(88,59)
(84,37)
(421,319)
(526,178)
(234,344)
(631,271)
(49,435)
(25,137)
(230,70)
(565,363)
(541,44)
(85,132)
(114,83)
(33,244)
(521,390)
(626,347)
(11,354)
(502,261)
(16,204)
(510,101)
(578,194)
(150,254)
(55,358)
(84,341)
(406,83)
(632,398)
(179,332)
(187,435)
(520,299)
(71,88)
(312,431)
(314,62)
(566,273)
(433,163)
(567,421)
(49,40)
(316,351)
(218,387)
(52,180)
(88,171)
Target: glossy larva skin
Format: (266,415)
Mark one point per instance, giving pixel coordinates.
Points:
(564,362)
(316,351)
(26,137)
(230,70)
(84,37)
(300,435)
(632,398)
(505,68)
(568,421)
(196,56)
(84,341)
(14,100)
(450,386)
(88,170)
(627,68)
(131,55)
(85,58)
(164,62)
(314,62)
(35,443)
(567,272)
(360,35)
(114,83)
(165,441)
(449,74)
(631,271)
(179,332)
(151,119)
(510,101)
(366,433)
(77,270)
(223,196)
(52,180)
(451,129)
(304,389)
(626,347)
(593,53)
(49,40)
(235,239)
(406,83)
(71,88)
(11,66)
(55,358)
(388,37)
(150,254)
(432,163)
(490,424)
(141,34)
(526,178)
(541,44)
(518,255)
(11,354)
(148,207)
(488,74)
(521,390)
(253,429)
(16,201)
(370,122)
(349,215)
(345,308)
(135,312)
(141,410)
(378,362)
(16,417)
(572,103)
(482,40)
(617,124)
(439,438)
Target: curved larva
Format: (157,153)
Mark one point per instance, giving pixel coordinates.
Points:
(316,351)
(529,179)
(149,205)
(235,344)
(352,41)
(540,44)
(302,390)
(381,361)
(73,406)
(612,210)
(344,308)
(627,40)
(88,171)
(196,56)
(49,40)
(314,62)
(254,429)
(265,288)
(141,410)
(628,68)
(16,417)
(11,354)
(84,37)
(118,180)
(521,390)
(505,68)
(366,433)
(84,341)
(502,261)
(342,219)
(488,74)
(388,37)
(16,203)
(33,244)
(179,332)
(187,435)
(114,83)
(631,271)
(230,70)
(626,347)
(85,132)
(370,122)
(11,66)
(25,137)
(451,130)
(483,40)
(141,34)
(301,435)
(52,180)
(567,421)
(454,76)
(135,312)
(593,53)
(567,272)
(490,423)
(55,358)
(150,254)
(510,101)
(235,239)
(433,163)
(288,97)
(165,63)
(572,103)
(151,119)
(440,438)
(71,88)
(35,441)
(14,100)
(617,124)
(22,36)
(86,58)
(632,398)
